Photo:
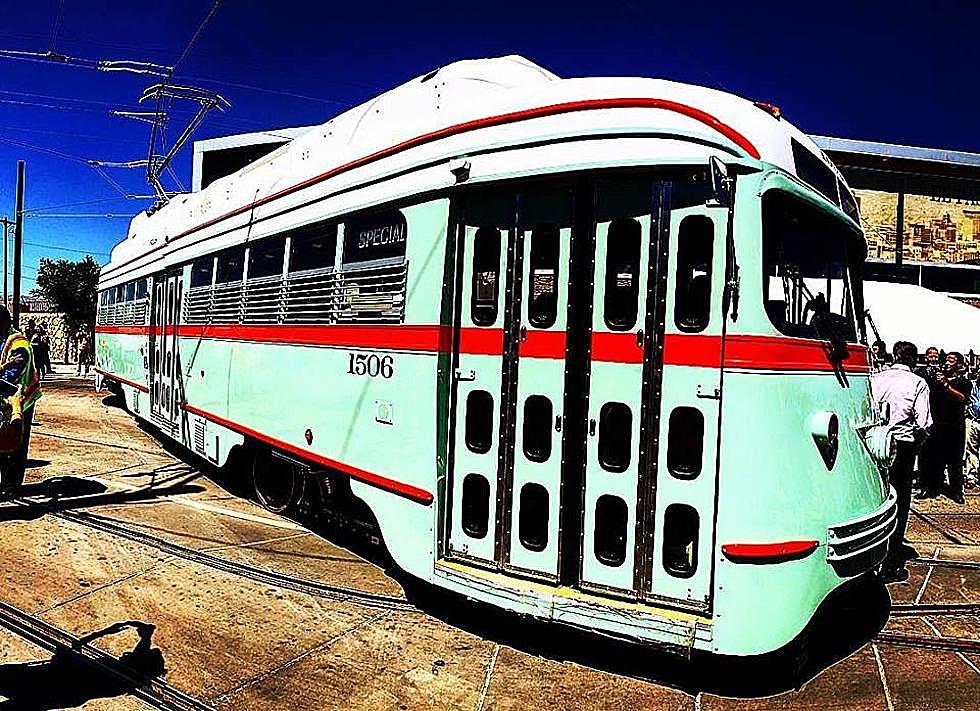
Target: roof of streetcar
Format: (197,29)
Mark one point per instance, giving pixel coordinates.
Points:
(510,94)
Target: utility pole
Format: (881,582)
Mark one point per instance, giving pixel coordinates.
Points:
(18,240)
(7,224)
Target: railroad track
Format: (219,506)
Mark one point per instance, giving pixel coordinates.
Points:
(922,641)
(947,563)
(261,575)
(935,609)
(99,443)
(950,534)
(153,690)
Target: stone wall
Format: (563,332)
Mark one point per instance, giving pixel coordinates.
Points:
(61,350)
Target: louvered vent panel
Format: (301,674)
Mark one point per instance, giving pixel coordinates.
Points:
(262,300)
(226,306)
(197,305)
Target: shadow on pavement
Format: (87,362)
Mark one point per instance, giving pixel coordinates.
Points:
(68,679)
(847,621)
(68,492)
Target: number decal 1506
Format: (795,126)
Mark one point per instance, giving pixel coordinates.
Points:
(371,364)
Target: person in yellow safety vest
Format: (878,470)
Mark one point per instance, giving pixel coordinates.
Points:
(17,368)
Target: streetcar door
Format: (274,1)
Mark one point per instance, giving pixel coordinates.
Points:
(617,488)
(485,234)
(691,390)
(534,349)
(166,383)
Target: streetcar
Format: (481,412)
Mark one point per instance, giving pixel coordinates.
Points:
(588,350)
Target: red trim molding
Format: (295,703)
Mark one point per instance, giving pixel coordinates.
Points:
(408,491)
(763,553)
(691,112)
(741,352)
(131,383)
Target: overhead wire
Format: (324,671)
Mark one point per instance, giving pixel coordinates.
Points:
(57,25)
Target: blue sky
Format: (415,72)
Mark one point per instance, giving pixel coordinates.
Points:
(899,71)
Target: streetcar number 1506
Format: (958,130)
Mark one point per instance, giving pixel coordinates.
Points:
(370,364)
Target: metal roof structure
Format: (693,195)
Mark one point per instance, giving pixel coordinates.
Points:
(905,169)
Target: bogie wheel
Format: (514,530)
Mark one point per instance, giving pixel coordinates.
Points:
(278,483)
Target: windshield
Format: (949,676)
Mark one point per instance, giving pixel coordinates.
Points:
(808,253)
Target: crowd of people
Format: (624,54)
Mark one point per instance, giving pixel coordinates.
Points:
(81,344)
(933,411)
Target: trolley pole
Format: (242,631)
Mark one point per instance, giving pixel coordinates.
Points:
(18,241)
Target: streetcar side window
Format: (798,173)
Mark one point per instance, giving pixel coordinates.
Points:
(610,537)
(486,276)
(615,436)
(685,442)
(537,428)
(810,259)
(533,517)
(680,549)
(543,281)
(141,288)
(131,291)
(265,258)
(476,505)
(622,274)
(692,288)
(201,271)
(312,247)
(231,265)
(479,421)
(371,238)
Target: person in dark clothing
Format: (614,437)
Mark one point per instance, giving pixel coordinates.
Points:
(907,398)
(949,393)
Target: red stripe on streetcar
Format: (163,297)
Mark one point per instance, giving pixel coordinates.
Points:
(692,350)
(747,352)
(768,552)
(124,330)
(616,348)
(405,338)
(478,341)
(407,490)
(131,383)
(488,122)
(783,353)
(542,344)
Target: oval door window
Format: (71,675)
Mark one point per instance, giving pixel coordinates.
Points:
(479,421)
(692,288)
(533,518)
(680,548)
(486,274)
(542,306)
(610,530)
(537,428)
(622,274)
(685,442)
(476,505)
(615,436)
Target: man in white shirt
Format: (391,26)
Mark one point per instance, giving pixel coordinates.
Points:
(909,417)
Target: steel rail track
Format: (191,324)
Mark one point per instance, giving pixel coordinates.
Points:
(100,443)
(152,690)
(935,609)
(261,575)
(923,641)
(950,534)
(947,563)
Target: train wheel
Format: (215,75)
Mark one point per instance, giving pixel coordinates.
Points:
(278,483)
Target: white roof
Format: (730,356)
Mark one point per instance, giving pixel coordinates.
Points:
(459,108)
(906,312)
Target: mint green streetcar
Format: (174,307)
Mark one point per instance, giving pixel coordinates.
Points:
(587,350)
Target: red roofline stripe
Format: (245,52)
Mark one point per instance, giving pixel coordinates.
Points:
(490,121)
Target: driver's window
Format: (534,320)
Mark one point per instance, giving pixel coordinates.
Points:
(807,264)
